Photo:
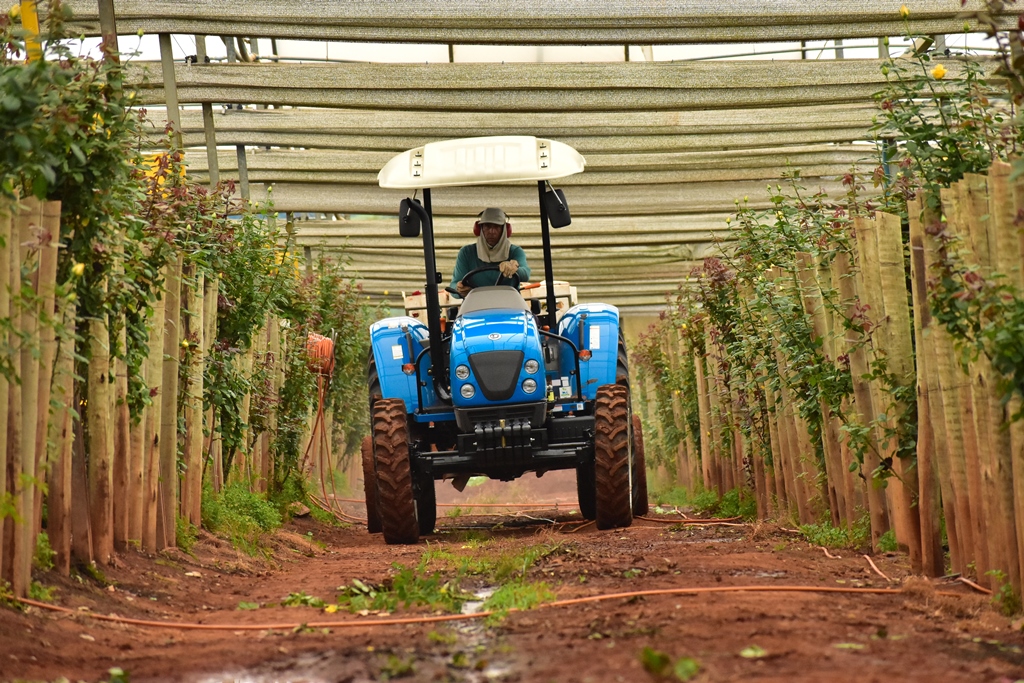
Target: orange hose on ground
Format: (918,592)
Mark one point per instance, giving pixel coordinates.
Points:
(476,615)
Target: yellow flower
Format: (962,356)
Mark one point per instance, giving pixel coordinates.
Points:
(78,270)
(904,11)
(184,343)
(15,11)
(331,609)
(939,71)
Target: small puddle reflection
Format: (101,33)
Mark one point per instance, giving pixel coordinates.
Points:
(473,641)
(471,659)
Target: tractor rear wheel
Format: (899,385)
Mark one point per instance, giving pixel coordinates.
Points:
(370,486)
(613,457)
(585,490)
(426,506)
(640,504)
(394,472)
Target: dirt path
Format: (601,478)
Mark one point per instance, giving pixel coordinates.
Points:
(915,635)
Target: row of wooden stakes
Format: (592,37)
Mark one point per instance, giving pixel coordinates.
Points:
(109,480)
(969,466)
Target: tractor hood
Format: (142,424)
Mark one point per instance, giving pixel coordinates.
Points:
(494,346)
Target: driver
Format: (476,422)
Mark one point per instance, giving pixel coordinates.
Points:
(492,247)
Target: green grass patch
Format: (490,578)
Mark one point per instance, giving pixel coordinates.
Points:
(187,534)
(301,599)
(240,515)
(887,542)
(38,591)
(518,595)
(44,555)
(660,665)
(707,502)
(409,587)
(828,536)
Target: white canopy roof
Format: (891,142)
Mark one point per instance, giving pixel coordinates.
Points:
(481,161)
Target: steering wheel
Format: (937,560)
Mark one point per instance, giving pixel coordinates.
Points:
(483,269)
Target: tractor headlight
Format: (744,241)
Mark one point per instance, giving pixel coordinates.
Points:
(529,385)
(462,372)
(532,366)
(468,391)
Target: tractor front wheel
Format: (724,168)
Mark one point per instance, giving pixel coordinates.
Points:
(613,457)
(370,486)
(640,504)
(395,497)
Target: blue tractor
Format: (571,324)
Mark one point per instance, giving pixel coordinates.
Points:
(510,382)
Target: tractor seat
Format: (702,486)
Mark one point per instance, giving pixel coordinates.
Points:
(489,298)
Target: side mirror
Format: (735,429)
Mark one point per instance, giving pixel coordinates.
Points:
(408,220)
(556,208)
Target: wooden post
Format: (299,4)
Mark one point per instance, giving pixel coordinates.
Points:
(61,436)
(864,411)
(25,262)
(930,348)
(151,435)
(46,291)
(101,450)
(193,333)
(81,531)
(167,499)
(928,508)
(704,410)
(779,487)
(7,246)
(896,334)
(1009,251)
(814,308)
(121,423)
(210,297)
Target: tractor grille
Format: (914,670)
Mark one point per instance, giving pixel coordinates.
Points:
(468,418)
(497,372)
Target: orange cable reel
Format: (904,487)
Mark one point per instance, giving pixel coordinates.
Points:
(320,354)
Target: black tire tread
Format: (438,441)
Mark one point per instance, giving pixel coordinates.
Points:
(370,486)
(612,457)
(394,472)
(641,506)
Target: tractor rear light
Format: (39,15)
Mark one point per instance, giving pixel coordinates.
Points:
(462,372)
(585,354)
(529,385)
(408,368)
(531,366)
(468,391)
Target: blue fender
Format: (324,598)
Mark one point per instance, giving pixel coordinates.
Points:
(594,327)
(390,341)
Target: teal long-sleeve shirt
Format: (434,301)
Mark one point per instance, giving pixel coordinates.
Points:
(467,260)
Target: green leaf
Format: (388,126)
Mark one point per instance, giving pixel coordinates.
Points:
(39,186)
(11,103)
(848,646)
(753,652)
(655,661)
(686,668)
(248,605)
(77,151)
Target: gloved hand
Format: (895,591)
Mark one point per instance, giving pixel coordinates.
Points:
(462,289)
(509,268)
